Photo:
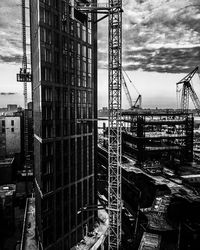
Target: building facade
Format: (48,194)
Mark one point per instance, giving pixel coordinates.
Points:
(64,68)
(10,135)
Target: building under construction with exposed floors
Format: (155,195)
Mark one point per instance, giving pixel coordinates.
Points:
(155,135)
(64,68)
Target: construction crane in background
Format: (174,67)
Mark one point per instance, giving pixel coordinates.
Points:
(132,104)
(25,77)
(112,10)
(188,91)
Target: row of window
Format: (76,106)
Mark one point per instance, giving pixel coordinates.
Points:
(82,79)
(81,96)
(48,130)
(75,29)
(3,123)
(3,130)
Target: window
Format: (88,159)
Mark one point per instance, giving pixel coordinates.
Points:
(46,74)
(84,66)
(72,99)
(78,30)
(78,96)
(3,130)
(57,75)
(56,40)
(89,53)
(84,51)
(12,122)
(89,68)
(47,17)
(84,97)
(12,129)
(3,123)
(56,21)
(47,167)
(45,35)
(46,55)
(84,80)
(48,94)
(84,34)
(47,185)
(89,37)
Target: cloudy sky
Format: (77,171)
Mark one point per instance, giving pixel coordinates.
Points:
(161,43)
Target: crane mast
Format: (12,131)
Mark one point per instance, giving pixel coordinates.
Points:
(25,76)
(113,11)
(114,123)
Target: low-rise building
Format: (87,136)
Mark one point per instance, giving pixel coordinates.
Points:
(10,135)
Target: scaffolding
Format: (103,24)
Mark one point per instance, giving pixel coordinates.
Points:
(112,10)
(25,77)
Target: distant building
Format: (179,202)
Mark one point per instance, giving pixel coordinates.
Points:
(10,135)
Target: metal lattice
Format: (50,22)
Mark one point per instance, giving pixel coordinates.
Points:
(114,123)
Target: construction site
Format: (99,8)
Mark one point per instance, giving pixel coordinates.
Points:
(133,183)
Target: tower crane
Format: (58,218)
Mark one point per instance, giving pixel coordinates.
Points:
(188,91)
(25,77)
(132,104)
(112,10)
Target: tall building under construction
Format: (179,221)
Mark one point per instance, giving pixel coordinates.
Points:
(64,69)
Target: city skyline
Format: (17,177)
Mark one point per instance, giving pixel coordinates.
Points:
(153,44)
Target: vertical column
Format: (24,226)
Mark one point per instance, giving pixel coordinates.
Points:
(114,123)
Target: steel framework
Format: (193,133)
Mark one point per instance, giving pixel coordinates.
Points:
(112,10)
(187,91)
(25,76)
(114,123)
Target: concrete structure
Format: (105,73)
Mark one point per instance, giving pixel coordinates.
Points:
(64,69)
(10,135)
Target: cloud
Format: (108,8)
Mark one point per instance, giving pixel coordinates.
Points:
(10,31)
(160,36)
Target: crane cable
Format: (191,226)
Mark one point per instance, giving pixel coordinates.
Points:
(130,81)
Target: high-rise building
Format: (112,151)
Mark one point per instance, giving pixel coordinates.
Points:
(64,69)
